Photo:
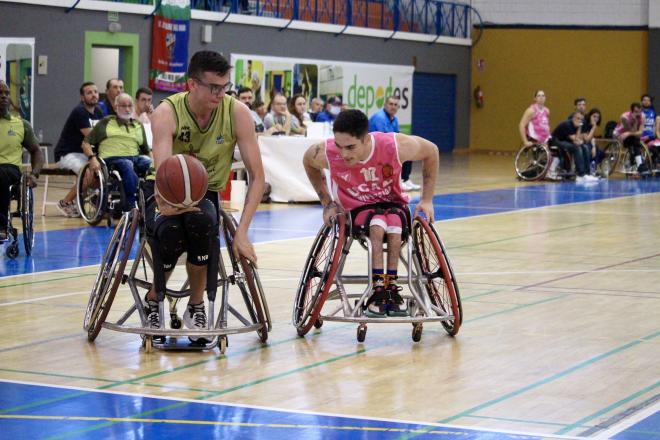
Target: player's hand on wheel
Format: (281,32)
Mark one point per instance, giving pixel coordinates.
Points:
(243,247)
(427,209)
(330,211)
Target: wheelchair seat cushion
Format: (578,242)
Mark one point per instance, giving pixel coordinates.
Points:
(362,216)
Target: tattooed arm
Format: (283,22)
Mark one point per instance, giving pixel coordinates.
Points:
(315,162)
(417,148)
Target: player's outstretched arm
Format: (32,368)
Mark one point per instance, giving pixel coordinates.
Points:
(418,148)
(315,162)
(251,156)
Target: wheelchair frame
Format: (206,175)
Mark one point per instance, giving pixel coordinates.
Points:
(25,210)
(105,197)
(434,294)
(240,273)
(532,162)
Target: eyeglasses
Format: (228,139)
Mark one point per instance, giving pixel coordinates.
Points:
(216,89)
(125,105)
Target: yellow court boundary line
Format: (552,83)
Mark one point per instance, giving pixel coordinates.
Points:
(235,424)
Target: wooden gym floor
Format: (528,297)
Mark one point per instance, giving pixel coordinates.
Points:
(561,334)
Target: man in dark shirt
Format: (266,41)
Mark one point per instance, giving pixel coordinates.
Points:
(113,88)
(566,137)
(68,151)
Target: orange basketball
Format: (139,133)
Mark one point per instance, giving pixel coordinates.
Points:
(182,180)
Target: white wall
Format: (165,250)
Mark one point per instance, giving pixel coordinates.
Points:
(568,12)
(105,65)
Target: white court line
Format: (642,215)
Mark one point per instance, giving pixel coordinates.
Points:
(628,422)
(290,411)
(62,295)
(264,280)
(512,211)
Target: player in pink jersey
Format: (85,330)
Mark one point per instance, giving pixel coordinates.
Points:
(534,125)
(629,131)
(365,169)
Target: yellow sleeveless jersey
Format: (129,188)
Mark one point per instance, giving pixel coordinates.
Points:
(213,146)
(15,133)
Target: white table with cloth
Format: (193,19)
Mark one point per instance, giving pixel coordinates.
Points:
(282,157)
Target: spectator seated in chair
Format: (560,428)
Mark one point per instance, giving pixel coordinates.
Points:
(119,141)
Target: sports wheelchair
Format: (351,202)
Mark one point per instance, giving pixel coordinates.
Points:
(433,296)
(619,159)
(224,270)
(21,193)
(100,193)
(533,162)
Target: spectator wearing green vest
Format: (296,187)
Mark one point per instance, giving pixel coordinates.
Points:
(15,134)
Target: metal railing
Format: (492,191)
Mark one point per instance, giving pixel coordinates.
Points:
(433,17)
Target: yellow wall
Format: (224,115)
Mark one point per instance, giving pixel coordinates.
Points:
(607,67)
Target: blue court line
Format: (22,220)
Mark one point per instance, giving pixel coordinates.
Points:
(171,419)
(549,379)
(70,248)
(646,429)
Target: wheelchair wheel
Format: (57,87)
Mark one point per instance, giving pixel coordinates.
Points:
(318,275)
(251,289)
(441,285)
(611,154)
(532,162)
(628,166)
(93,200)
(27,215)
(110,274)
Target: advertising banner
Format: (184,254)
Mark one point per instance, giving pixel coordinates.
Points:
(169,48)
(360,86)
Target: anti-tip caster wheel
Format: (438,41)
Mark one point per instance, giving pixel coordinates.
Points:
(12,250)
(361,332)
(147,343)
(318,323)
(175,322)
(223,342)
(417,332)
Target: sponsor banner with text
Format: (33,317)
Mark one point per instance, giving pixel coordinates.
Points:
(362,86)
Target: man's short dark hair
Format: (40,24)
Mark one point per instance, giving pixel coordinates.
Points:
(243,89)
(334,100)
(635,105)
(109,82)
(207,61)
(578,100)
(646,95)
(145,90)
(85,84)
(352,122)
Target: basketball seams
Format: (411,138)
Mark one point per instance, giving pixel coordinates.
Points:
(178,180)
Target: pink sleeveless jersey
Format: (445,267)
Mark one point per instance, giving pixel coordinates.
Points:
(539,126)
(633,124)
(377,179)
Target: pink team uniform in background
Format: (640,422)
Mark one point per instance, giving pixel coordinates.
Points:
(539,126)
(633,123)
(374,180)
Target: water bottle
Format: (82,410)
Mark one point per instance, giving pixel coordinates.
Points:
(592,167)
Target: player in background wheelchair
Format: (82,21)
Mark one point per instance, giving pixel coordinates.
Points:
(15,134)
(121,142)
(365,169)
